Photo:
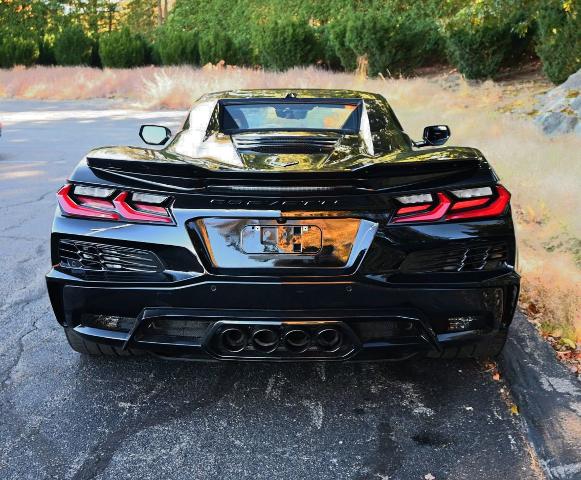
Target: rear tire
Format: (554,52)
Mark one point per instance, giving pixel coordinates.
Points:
(88,347)
(482,350)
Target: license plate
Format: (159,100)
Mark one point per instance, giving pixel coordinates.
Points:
(281,239)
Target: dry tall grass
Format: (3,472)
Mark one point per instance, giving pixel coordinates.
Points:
(542,173)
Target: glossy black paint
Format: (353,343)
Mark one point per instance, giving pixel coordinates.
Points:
(366,270)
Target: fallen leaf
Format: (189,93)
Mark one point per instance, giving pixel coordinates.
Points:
(496,376)
(568,343)
(513,409)
(489,365)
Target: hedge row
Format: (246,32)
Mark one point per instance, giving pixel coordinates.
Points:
(393,36)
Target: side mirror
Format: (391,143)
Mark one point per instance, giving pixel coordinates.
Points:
(154,134)
(435,135)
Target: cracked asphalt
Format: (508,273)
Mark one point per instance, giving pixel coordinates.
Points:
(65,416)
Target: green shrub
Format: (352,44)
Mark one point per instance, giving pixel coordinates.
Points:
(177,47)
(94,58)
(152,54)
(72,46)
(46,51)
(393,42)
(336,46)
(482,37)
(478,52)
(284,43)
(226,28)
(17,51)
(559,41)
(215,45)
(122,49)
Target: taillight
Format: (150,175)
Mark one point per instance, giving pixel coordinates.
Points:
(135,214)
(80,208)
(110,204)
(494,207)
(454,205)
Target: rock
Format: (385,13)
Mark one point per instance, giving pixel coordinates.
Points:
(560,108)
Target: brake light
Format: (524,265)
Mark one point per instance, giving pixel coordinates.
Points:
(456,205)
(413,209)
(130,213)
(433,212)
(470,203)
(70,207)
(107,204)
(95,203)
(494,208)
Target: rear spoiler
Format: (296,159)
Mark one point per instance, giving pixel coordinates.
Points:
(379,176)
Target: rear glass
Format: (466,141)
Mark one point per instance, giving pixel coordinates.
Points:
(289,116)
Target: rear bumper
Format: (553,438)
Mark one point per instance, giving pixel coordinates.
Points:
(359,307)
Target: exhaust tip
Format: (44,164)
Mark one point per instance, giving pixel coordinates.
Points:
(297,340)
(329,339)
(233,339)
(265,339)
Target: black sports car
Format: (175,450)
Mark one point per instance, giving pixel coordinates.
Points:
(285,225)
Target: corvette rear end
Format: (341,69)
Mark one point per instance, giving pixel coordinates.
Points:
(280,225)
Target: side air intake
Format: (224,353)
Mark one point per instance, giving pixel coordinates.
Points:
(460,259)
(77,255)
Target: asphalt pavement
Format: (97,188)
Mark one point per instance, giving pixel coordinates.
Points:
(65,416)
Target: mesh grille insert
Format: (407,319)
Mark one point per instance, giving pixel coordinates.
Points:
(78,255)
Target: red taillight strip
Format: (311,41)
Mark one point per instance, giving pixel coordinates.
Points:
(95,202)
(435,214)
(143,207)
(497,207)
(476,202)
(130,213)
(70,207)
(412,209)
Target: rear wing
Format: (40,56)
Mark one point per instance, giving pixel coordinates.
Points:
(375,177)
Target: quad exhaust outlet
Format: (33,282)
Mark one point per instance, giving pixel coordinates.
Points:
(282,340)
(297,340)
(265,339)
(329,339)
(233,339)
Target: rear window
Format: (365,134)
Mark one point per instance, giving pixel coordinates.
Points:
(289,115)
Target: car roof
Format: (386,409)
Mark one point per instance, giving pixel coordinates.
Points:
(299,92)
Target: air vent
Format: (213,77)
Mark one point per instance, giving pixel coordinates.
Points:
(481,258)
(384,329)
(107,322)
(285,144)
(174,330)
(88,256)
(461,259)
